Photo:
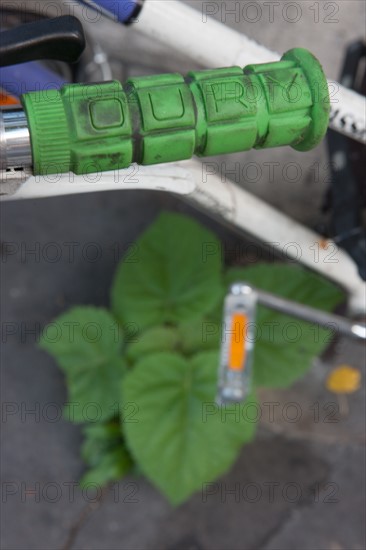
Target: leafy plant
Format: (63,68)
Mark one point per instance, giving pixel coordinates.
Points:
(148,395)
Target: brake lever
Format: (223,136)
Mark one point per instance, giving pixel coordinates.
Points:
(61,39)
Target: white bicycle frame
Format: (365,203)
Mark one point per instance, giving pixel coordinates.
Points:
(180,27)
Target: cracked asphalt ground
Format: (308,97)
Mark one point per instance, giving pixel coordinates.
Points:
(300,485)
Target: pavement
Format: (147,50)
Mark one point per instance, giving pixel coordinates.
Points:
(298,486)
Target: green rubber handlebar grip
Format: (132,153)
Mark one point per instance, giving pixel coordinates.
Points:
(87,128)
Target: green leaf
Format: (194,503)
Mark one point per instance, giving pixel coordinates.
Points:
(86,344)
(177,275)
(182,439)
(199,335)
(112,467)
(152,340)
(285,346)
(104,451)
(99,437)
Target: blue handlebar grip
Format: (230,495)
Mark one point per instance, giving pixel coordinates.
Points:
(123,10)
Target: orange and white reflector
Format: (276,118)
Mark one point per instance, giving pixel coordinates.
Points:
(237,343)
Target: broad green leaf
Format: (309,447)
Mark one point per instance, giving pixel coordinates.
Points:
(177,275)
(199,335)
(104,451)
(182,439)
(152,340)
(284,345)
(86,345)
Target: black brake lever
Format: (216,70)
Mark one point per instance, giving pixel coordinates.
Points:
(61,39)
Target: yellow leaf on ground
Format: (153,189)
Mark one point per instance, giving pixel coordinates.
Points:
(344,379)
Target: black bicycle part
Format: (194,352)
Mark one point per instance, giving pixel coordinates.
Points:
(61,39)
(347,193)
